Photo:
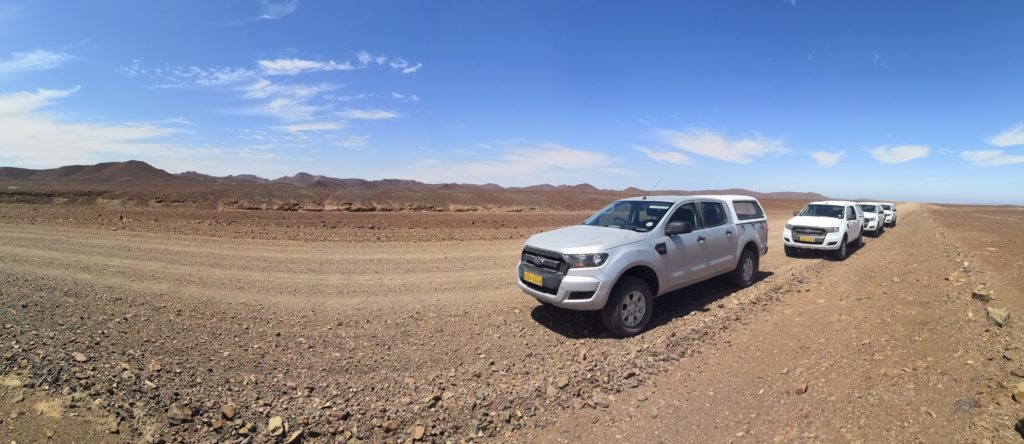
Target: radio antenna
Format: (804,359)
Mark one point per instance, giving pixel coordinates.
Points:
(652,189)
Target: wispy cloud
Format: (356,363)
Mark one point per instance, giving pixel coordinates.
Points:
(275,9)
(353,142)
(827,159)
(35,60)
(312,126)
(290,103)
(1011,137)
(899,153)
(397,63)
(991,157)
(368,114)
(673,157)
(517,165)
(717,146)
(298,66)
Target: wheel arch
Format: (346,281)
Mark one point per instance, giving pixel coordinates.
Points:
(644,273)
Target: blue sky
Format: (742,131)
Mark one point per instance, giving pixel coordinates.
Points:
(909,100)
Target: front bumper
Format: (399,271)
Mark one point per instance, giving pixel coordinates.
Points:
(871,225)
(579,289)
(830,241)
(888,218)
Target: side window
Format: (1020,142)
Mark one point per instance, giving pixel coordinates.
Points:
(714,214)
(686,213)
(850,214)
(748,209)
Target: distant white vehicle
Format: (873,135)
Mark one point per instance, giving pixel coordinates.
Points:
(874,217)
(828,225)
(890,213)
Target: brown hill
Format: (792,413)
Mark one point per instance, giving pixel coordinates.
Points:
(130,171)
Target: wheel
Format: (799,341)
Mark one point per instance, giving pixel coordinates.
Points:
(629,308)
(881,229)
(860,240)
(790,251)
(840,253)
(893,223)
(746,270)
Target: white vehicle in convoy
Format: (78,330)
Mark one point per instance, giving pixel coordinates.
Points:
(890,213)
(828,225)
(634,250)
(874,217)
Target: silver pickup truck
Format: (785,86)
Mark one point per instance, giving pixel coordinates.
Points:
(636,249)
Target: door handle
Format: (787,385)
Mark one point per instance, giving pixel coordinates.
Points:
(701,239)
(728,233)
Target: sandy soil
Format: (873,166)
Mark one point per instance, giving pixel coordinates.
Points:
(142,324)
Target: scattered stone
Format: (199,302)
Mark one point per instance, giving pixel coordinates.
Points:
(963,406)
(228,411)
(982,295)
(217,423)
(562,381)
(1018,372)
(1018,393)
(294,437)
(247,429)
(800,389)
(178,414)
(417,432)
(896,279)
(389,426)
(79,357)
(275,427)
(999,316)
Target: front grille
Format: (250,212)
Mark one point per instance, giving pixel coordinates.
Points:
(544,259)
(809,231)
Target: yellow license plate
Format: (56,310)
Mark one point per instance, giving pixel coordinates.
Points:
(807,239)
(533,278)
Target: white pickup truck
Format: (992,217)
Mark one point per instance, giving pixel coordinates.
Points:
(636,249)
(828,225)
(890,213)
(874,217)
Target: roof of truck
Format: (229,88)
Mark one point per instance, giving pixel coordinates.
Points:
(677,198)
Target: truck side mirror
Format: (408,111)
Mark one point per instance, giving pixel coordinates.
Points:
(796,213)
(678,227)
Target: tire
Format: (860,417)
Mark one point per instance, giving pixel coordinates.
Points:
(790,251)
(630,294)
(893,223)
(880,231)
(746,270)
(840,253)
(860,240)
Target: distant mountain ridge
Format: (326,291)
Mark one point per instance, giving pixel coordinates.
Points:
(134,171)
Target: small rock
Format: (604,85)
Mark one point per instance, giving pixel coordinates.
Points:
(247,429)
(178,414)
(562,381)
(417,432)
(999,316)
(982,295)
(896,279)
(800,389)
(217,423)
(1018,393)
(1018,372)
(275,427)
(294,437)
(389,426)
(228,410)
(79,357)
(964,405)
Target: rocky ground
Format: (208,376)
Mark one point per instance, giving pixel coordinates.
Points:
(148,326)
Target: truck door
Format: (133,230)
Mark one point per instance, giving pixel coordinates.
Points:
(719,236)
(686,258)
(854,224)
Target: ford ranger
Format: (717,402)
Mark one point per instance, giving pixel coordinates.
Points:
(874,217)
(622,257)
(890,213)
(828,225)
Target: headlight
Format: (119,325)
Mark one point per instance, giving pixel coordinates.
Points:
(789,226)
(586,260)
(832,229)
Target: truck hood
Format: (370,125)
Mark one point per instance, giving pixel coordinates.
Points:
(582,239)
(816,221)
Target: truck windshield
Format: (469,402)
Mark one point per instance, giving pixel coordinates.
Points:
(835,211)
(887,207)
(636,215)
(868,208)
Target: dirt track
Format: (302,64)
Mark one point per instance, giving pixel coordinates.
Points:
(371,340)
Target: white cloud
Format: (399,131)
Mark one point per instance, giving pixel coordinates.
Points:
(397,95)
(287,102)
(991,158)
(1011,137)
(298,66)
(353,142)
(673,157)
(368,114)
(312,126)
(899,153)
(35,60)
(717,146)
(412,69)
(274,9)
(520,165)
(827,158)
(25,102)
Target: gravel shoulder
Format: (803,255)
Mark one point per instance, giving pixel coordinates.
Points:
(428,338)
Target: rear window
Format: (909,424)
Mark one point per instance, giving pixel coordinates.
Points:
(748,209)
